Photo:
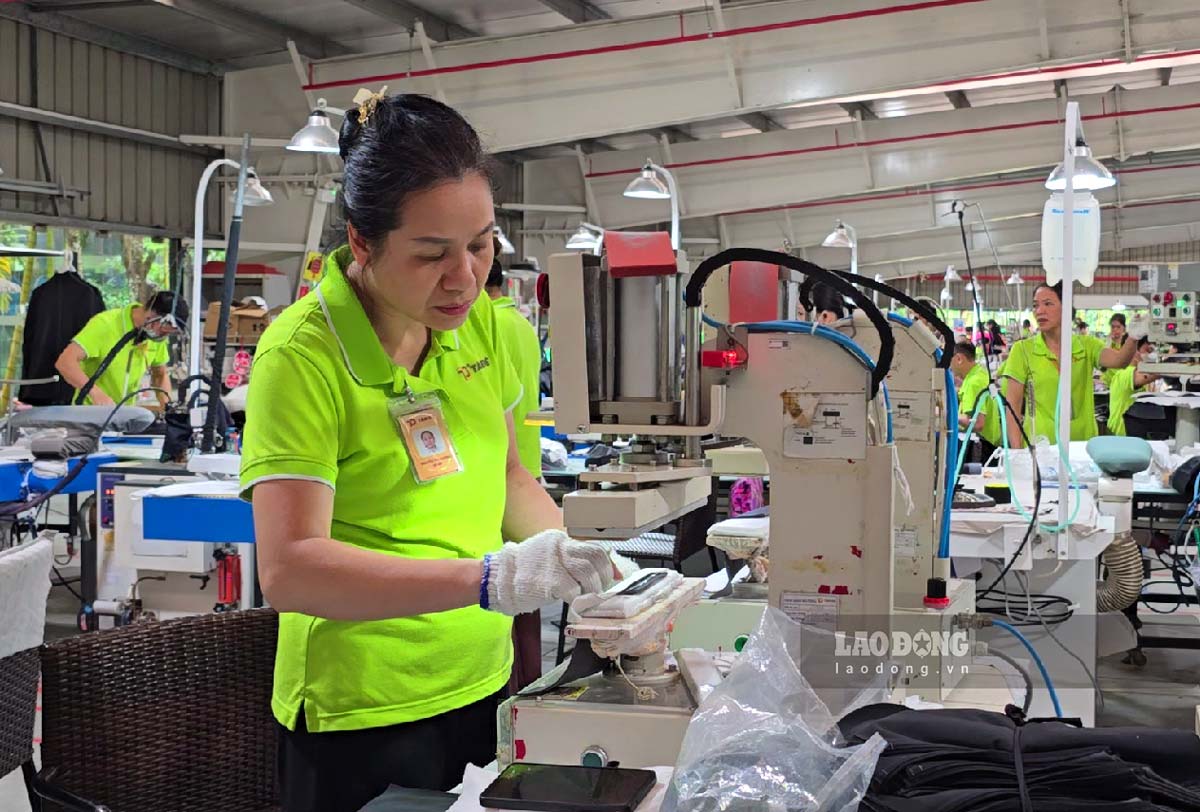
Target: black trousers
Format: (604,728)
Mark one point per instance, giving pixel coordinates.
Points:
(342,771)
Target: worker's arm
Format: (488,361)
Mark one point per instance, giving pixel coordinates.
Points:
(69,367)
(160,378)
(302,569)
(1118,358)
(528,509)
(964,422)
(1140,379)
(1014,393)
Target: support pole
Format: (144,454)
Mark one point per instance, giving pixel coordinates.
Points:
(231,257)
(1070,132)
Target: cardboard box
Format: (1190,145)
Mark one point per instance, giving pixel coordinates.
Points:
(247,322)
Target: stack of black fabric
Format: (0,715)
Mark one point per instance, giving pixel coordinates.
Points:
(960,760)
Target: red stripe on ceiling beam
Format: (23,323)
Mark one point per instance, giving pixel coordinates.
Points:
(643,44)
(906,139)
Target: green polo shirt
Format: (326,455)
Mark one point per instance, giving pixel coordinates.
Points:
(1120,398)
(124,374)
(974,386)
(1030,362)
(525,350)
(317,410)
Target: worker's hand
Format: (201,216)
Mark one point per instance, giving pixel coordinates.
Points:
(100,397)
(1138,328)
(545,568)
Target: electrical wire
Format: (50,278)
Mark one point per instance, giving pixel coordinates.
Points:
(1037,659)
(62,581)
(1050,633)
(1028,698)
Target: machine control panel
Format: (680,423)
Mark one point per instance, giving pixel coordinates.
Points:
(1174,293)
(108,491)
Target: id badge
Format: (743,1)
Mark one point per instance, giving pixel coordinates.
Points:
(423,429)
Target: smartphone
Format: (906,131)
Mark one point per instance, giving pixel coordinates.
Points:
(642,584)
(559,788)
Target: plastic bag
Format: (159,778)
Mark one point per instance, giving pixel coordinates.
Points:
(765,738)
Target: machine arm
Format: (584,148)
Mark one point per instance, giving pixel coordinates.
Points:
(883,363)
(920,308)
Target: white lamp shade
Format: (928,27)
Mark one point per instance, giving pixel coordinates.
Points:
(1015,279)
(315,136)
(839,238)
(1118,307)
(952,275)
(1090,174)
(582,240)
(945,294)
(647,186)
(506,246)
(254,193)
(969,286)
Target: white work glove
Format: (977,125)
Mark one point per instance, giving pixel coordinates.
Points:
(1138,327)
(545,568)
(627,567)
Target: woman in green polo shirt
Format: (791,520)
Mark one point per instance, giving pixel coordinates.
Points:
(1032,373)
(381,549)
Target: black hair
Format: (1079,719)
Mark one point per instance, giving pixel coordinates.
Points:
(168,303)
(1056,288)
(965,349)
(1025,323)
(495,278)
(408,143)
(826,298)
(1117,317)
(1142,342)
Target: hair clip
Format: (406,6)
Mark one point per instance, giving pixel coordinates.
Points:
(367,102)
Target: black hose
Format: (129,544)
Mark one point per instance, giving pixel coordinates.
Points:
(887,343)
(83,392)
(915,305)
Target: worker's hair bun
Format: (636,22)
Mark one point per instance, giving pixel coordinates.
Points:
(408,143)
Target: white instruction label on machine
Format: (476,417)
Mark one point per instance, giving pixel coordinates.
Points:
(904,542)
(1147,279)
(824,425)
(911,416)
(813,610)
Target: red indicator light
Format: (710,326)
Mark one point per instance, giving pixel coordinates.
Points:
(1168,297)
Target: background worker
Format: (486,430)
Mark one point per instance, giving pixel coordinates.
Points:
(1033,364)
(525,352)
(974,378)
(1124,384)
(1116,339)
(150,324)
(517,335)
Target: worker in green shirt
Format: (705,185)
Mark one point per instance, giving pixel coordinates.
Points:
(525,351)
(975,385)
(1126,382)
(136,338)
(1116,339)
(1032,373)
(383,550)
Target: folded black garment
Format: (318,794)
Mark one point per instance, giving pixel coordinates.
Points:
(964,761)
(1172,754)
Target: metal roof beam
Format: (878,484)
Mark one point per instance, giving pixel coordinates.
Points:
(405,14)
(107,38)
(861,110)
(761,122)
(958,98)
(676,134)
(577,11)
(247,23)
